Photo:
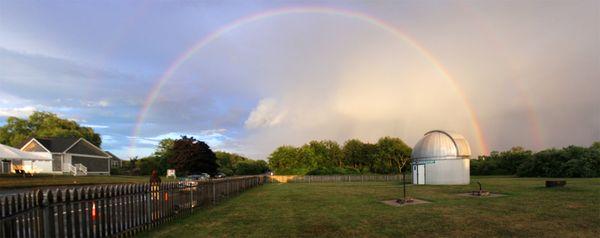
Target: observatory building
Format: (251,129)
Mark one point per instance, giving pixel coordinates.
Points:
(441,157)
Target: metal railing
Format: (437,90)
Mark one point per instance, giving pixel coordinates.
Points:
(111,210)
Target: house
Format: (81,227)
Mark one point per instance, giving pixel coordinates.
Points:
(71,155)
(115,162)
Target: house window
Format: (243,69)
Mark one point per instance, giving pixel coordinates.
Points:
(56,163)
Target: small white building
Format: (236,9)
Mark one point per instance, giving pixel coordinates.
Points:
(13,160)
(441,157)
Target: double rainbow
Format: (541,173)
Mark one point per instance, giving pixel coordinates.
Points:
(374,21)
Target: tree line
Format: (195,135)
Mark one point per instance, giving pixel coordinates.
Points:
(571,161)
(389,155)
(190,156)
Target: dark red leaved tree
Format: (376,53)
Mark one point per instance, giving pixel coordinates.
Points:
(191,156)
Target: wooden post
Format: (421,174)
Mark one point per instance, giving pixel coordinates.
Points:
(39,200)
(148,200)
(48,215)
(214,193)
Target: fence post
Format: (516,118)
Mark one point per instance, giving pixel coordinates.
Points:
(214,193)
(48,215)
(39,200)
(69,212)
(148,197)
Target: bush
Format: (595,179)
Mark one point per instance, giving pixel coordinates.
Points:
(118,171)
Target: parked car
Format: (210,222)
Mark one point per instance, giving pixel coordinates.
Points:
(192,180)
(199,177)
(220,175)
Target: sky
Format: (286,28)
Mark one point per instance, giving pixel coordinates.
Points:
(249,76)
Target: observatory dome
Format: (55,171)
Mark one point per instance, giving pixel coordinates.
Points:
(438,144)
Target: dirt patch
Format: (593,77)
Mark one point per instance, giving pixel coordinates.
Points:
(395,202)
(491,195)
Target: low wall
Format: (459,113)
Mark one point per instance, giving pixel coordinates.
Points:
(335,178)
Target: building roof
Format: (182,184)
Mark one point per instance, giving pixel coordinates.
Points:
(7,152)
(438,144)
(112,156)
(68,144)
(57,144)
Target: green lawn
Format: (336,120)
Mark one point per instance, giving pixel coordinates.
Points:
(354,209)
(7,182)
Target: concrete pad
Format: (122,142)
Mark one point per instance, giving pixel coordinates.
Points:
(396,204)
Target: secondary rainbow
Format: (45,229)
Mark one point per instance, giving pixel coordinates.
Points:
(179,61)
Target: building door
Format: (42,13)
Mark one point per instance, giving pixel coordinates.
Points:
(415,174)
(421,174)
(418,174)
(57,163)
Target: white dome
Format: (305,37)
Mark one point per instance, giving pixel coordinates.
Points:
(439,144)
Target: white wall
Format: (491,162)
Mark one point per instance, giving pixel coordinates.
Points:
(448,172)
(39,166)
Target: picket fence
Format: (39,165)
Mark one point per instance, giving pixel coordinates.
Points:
(336,178)
(111,210)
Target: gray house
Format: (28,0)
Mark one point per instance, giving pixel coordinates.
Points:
(71,155)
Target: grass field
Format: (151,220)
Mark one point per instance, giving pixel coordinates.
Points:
(354,209)
(7,182)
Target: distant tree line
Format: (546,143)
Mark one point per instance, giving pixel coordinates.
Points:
(190,156)
(234,164)
(389,155)
(571,161)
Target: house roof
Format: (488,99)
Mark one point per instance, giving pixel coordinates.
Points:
(57,144)
(64,144)
(112,156)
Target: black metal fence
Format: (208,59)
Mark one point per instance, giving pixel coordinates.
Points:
(111,210)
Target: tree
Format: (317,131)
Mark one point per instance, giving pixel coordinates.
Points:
(355,154)
(228,162)
(163,152)
(191,156)
(44,124)
(286,160)
(393,153)
(334,153)
(251,167)
(321,154)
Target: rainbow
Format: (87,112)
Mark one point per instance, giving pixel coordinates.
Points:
(179,61)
